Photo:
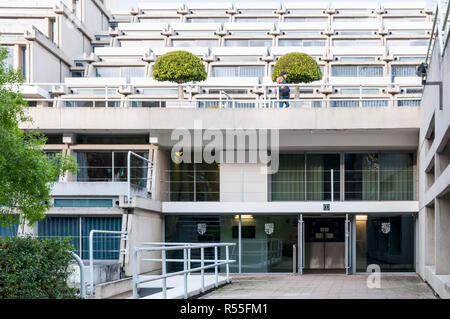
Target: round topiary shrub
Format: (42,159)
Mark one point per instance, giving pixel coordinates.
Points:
(179,67)
(300,68)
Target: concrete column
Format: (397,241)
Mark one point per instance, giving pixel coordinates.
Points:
(429,236)
(25,229)
(442,239)
(143,226)
(160,181)
(69,177)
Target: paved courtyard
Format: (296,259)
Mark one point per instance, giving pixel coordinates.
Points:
(322,286)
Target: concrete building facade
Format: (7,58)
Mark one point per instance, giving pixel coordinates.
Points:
(434,178)
(349,189)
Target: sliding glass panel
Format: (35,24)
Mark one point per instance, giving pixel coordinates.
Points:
(370,71)
(202,229)
(256,20)
(252,71)
(267,243)
(248,43)
(306,19)
(182,182)
(214,20)
(403,71)
(238,71)
(370,103)
(349,71)
(132,72)
(344,103)
(289,182)
(195,43)
(361,176)
(107,72)
(138,168)
(387,241)
(356,43)
(207,182)
(94,166)
(318,176)
(408,102)
(194,182)
(301,43)
(225,71)
(356,71)
(126,72)
(397,176)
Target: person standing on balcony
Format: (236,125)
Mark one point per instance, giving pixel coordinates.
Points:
(283,90)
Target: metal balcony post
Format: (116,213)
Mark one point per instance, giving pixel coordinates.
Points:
(185,274)
(216,270)
(202,271)
(135,273)
(332,185)
(227,257)
(164,280)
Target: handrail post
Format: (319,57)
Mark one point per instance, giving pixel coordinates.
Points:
(91,252)
(185,274)
(135,274)
(91,261)
(82,283)
(164,281)
(216,270)
(332,185)
(202,271)
(189,258)
(294,257)
(227,257)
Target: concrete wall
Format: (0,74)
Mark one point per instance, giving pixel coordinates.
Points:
(142,226)
(160,190)
(243,182)
(71,40)
(46,67)
(93,18)
(133,119)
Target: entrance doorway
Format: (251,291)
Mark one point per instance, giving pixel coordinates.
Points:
(324,245)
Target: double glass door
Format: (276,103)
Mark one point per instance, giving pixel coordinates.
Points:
(324,245)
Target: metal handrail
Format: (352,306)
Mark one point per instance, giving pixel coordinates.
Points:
(192,84)
(129,171)
(91,252)
(432,37)
(355,102)
(186,247)
(439,30)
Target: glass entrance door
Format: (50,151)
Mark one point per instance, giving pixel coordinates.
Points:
(324,243)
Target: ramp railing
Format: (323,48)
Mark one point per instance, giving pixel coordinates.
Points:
(186,260)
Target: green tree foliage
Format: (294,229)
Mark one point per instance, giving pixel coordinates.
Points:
(33,268)
(300,68)
(179,67)
(26,173)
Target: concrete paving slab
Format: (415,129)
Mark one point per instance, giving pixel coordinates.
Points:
(322,286)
